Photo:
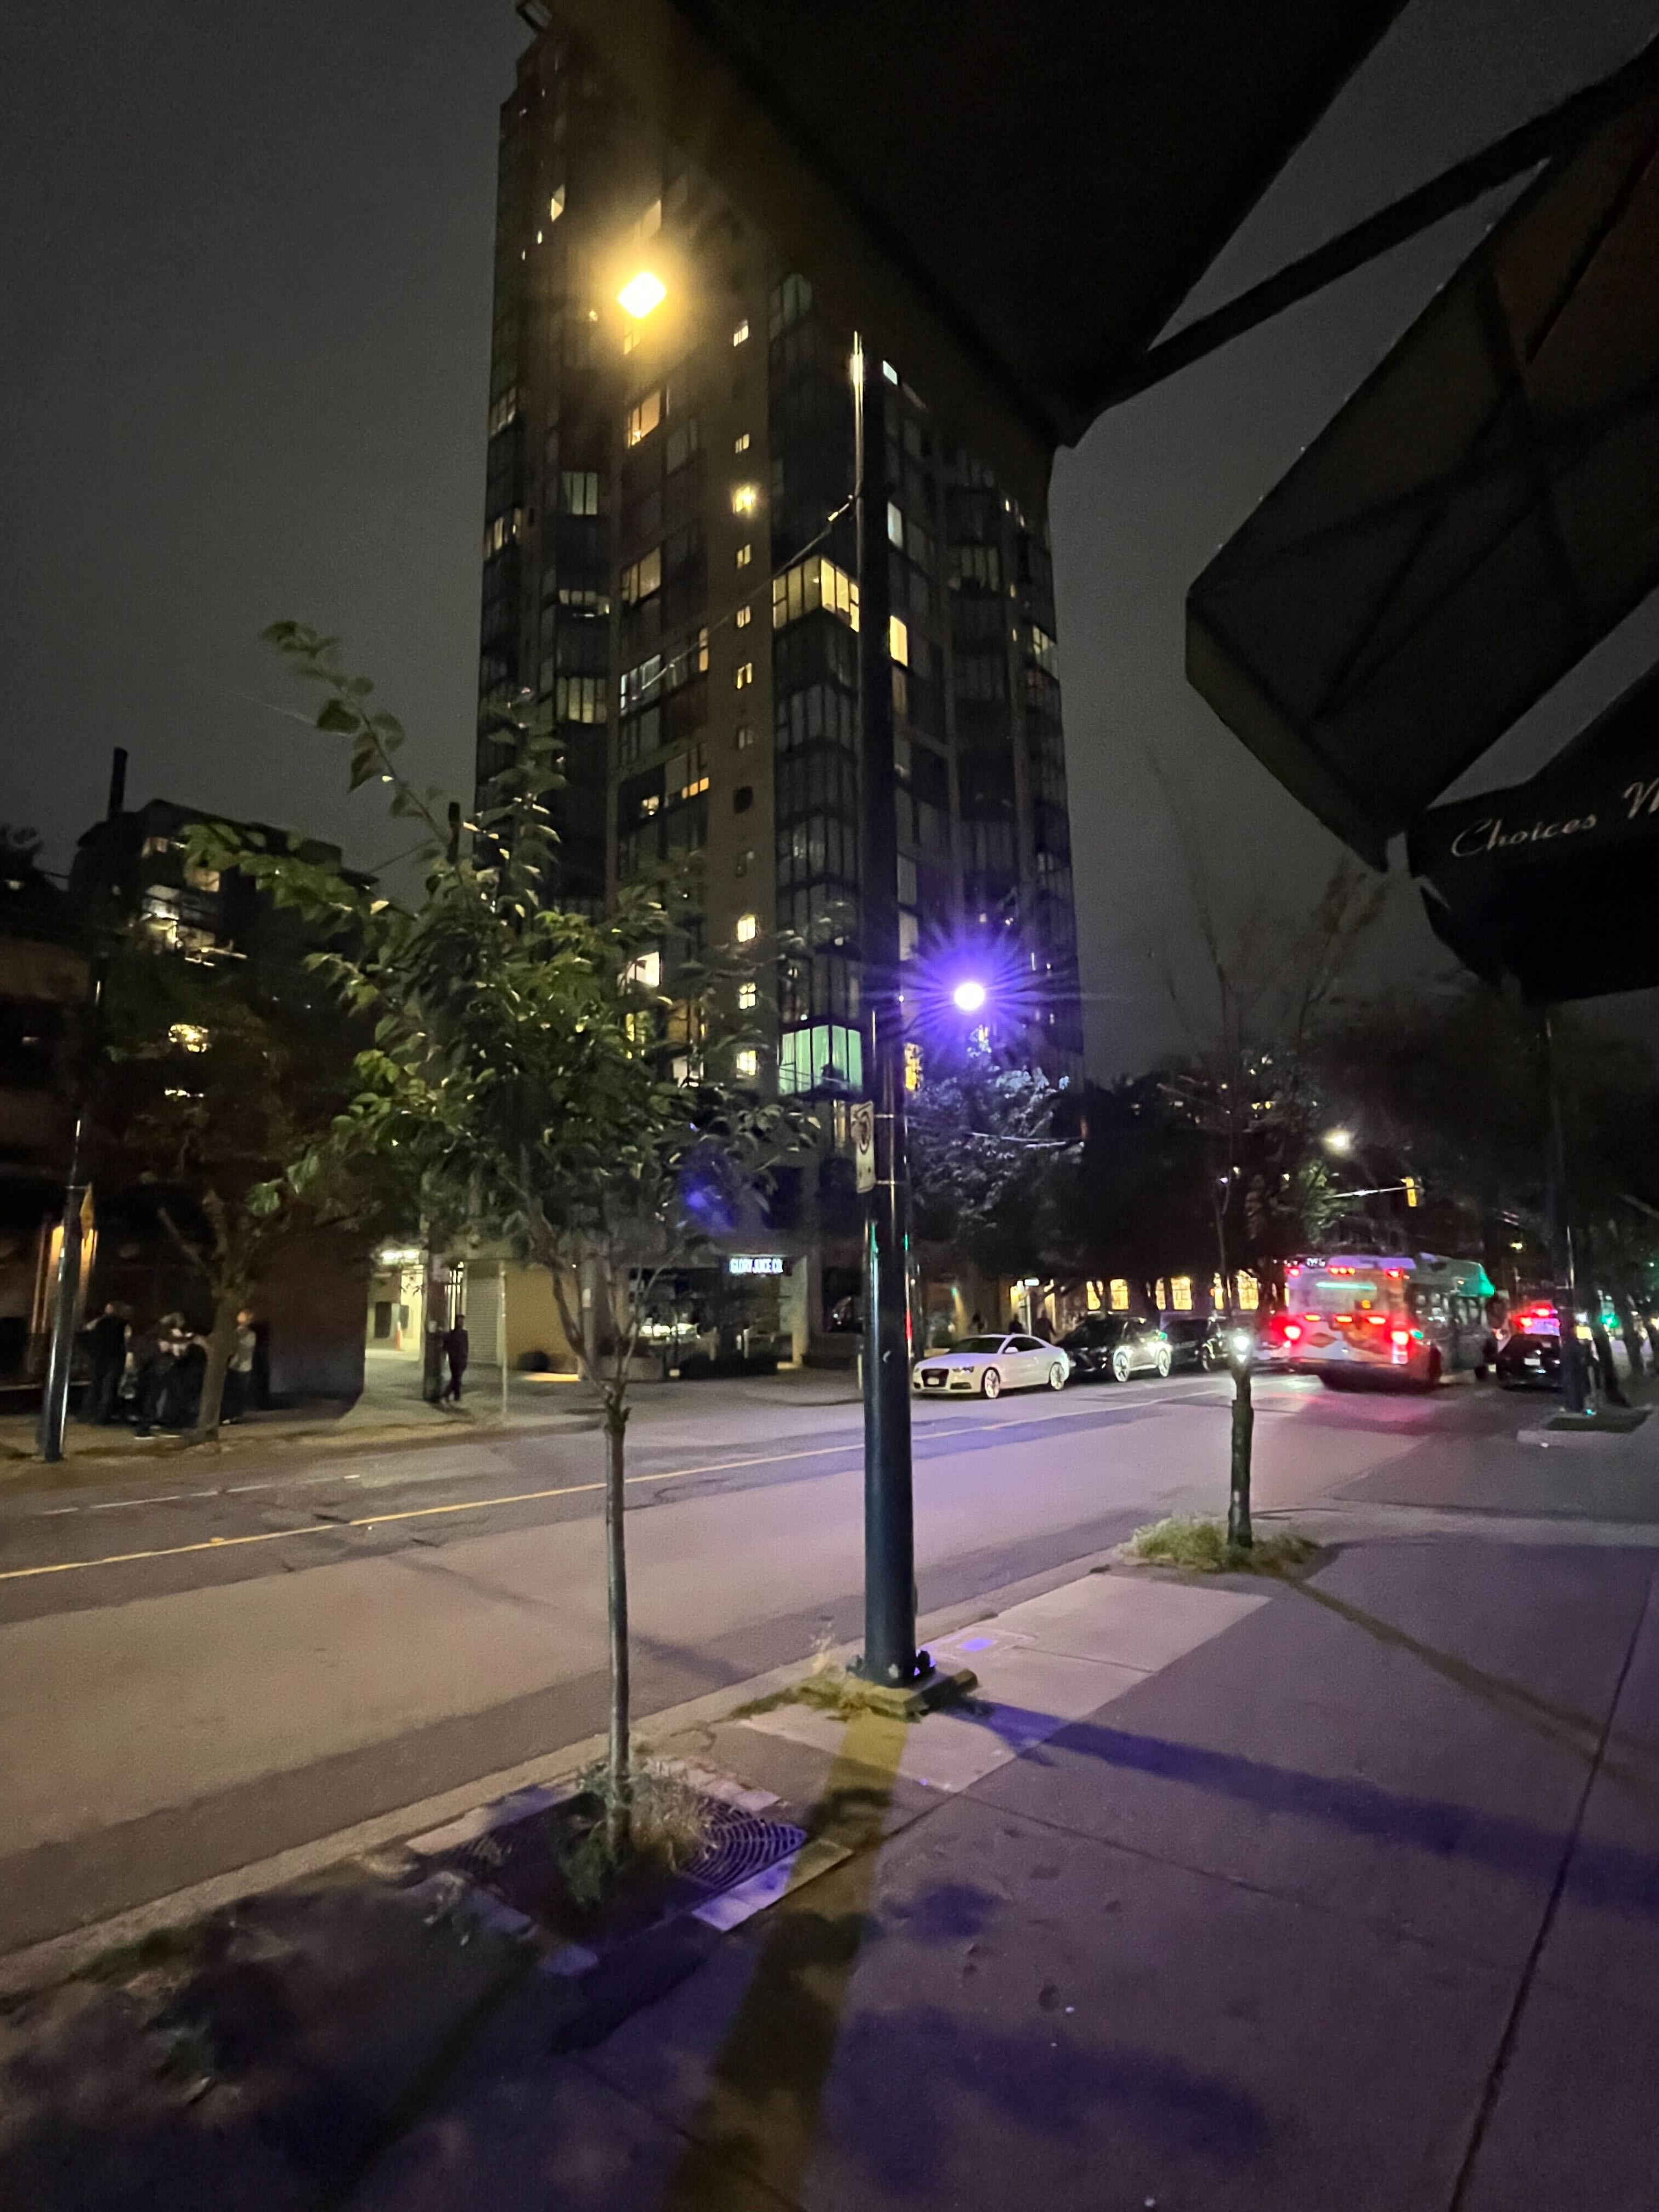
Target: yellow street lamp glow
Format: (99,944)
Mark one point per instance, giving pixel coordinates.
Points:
(640,294)
(1338,1140)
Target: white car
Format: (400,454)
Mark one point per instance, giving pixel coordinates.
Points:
(986,1366)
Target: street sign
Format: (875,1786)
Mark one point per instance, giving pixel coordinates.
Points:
(863,1118)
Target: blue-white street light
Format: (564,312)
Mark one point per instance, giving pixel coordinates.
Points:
(968,995)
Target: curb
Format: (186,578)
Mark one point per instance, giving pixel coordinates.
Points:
(58,1958)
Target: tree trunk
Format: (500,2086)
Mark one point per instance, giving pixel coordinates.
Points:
(1631,1329)
(1239,1531)
(220,1344)
(616,1561)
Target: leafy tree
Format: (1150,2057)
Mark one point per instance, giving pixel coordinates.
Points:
(990,1168)
(525,1068)
(213,1090)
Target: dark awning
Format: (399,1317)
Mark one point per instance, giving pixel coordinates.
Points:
(1556,881)
(1010,201)
(1481,513)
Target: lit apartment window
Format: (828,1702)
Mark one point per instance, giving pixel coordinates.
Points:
(1044,651)
(555,205)
(890,372)
(580,699)
(747,998)
(189,1037)
(581,491)
(745,676)
(152,846)
(814,582)
(746,498)
(740,336)
(895,526)
(913,1065)
(748,928)
(745,739)
(642,577)
(898,641)
(647,971)
(744,617)
(745,555)
(643,418)
(740,443)
(746,1063)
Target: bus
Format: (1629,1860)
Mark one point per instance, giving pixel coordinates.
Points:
(1405,1317)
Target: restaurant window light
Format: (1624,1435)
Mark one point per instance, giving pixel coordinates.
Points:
(1181,1293)
(1249,1293)
(1119,1294)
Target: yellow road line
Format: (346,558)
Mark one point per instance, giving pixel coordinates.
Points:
(460,1505)
(409,1513)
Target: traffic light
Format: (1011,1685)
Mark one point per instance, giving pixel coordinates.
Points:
(1413,1191)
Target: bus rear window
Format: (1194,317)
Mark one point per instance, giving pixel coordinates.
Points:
(1351,1294)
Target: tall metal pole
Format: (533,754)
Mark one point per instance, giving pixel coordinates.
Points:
(54,1399)
(1575,1369)
(890,1571)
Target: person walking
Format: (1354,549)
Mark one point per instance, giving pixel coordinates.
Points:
(107,1341)
(457,1349)
(238,1375)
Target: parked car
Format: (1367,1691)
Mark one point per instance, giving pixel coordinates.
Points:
(1118,1345)
(1197,1340)
(986,1366)
(1530,1358)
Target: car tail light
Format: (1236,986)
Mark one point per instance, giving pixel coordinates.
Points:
(1292,1331)
(1399,1336)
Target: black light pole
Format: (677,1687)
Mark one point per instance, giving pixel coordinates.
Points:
(1574,1368)
(889,1574)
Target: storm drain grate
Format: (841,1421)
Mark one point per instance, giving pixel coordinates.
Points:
(739,1845)
(519,1863)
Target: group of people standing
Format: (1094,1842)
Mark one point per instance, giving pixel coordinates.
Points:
(152,1377)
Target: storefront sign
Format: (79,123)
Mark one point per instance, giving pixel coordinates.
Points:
(755,1263)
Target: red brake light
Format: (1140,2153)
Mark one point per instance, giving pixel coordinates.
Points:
(1399,1336)
(1292,1331)
(1377,1321)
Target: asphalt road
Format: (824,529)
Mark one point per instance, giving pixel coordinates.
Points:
(194,1679)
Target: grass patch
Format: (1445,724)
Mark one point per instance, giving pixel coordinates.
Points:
(668,1823)
(1201,1546)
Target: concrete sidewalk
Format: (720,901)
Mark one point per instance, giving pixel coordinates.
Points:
(1233,1894)
(1288,1896)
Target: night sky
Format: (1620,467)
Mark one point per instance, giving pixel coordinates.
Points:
(244,350)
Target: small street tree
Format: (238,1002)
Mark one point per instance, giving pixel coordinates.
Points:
(523,1071)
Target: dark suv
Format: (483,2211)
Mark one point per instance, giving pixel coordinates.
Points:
(1196,1340)
(1119,1346)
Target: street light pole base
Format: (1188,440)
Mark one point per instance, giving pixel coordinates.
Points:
(934,1687)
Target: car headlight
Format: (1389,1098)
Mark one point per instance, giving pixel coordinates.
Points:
(1241,1343)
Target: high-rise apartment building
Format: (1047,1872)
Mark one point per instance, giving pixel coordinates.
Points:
(669,565)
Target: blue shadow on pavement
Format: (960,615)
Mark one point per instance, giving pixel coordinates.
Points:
(1605,1875)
